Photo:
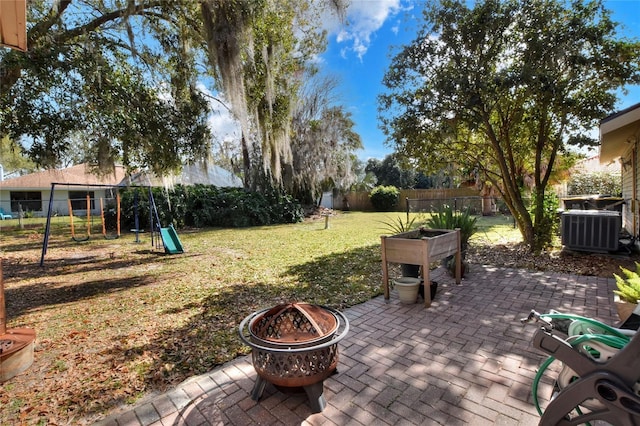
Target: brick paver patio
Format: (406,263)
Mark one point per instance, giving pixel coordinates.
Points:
(464,361)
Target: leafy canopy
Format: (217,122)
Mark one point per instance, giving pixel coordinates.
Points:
(505,87)
(121,75)
(124,81)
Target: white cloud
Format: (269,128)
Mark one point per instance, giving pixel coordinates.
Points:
(221,122)
(364,18)
(223,126)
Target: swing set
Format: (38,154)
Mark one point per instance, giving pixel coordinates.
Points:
(166,237)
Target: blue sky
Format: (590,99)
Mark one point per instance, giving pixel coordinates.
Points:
(359,54)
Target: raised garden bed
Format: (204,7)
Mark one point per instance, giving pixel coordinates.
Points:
(420,247)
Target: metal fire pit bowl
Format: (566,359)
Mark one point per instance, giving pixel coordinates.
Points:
(294,345)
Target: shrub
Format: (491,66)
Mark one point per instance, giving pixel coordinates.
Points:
(595,183)
(384,198)
(549,224)
(207,205)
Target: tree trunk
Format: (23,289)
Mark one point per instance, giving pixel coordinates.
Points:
(246,162)
(519,211)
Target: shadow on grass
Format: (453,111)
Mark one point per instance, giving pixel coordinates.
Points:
(341,279)
(210,337)
(26,298)
(84,263)
(338,280)
(38,294)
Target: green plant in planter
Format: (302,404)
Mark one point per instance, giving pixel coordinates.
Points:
(447,218)
(628,285)
(399,225)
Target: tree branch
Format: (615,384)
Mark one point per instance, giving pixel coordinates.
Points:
(39,29)
(111,16)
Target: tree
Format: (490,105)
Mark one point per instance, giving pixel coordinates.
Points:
(12,159)
(390,171)
(364,181)
(259,50)
(121,74)
(504,87)
(322,143)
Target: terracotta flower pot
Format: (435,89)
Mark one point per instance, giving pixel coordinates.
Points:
(407,289)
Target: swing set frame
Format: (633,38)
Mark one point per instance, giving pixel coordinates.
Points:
(153,215)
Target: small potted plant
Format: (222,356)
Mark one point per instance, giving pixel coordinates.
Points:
(627,294)
(399,226)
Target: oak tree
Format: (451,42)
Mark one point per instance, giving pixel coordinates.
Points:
(504,87)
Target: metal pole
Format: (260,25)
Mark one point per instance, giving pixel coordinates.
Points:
(47,228)
(3,311)
(136,220)
(151,222)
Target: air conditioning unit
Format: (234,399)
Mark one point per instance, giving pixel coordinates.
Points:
(591,230)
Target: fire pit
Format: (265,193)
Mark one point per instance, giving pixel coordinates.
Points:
(294,345)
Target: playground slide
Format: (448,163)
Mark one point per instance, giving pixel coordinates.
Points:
(170,240)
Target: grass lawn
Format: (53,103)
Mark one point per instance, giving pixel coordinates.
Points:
(117,320)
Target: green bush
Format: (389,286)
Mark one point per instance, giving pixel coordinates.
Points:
(207,205)
(595,183)
(384,198)
(549,224)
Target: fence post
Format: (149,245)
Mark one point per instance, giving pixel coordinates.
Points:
(406,200)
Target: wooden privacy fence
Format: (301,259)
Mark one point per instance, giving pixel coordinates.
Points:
(359,201)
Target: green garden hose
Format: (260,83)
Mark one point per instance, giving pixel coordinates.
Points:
(611,337)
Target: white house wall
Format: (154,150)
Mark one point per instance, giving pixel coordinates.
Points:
(60,201)
(628,218)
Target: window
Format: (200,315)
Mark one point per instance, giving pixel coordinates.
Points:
(28,200)
(79,200)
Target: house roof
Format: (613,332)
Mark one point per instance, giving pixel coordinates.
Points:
(618,131)
(81,175)
(192,174)
(77,175)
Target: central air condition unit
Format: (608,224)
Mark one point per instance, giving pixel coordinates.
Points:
(591,230)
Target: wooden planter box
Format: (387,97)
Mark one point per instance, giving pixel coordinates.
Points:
(624,308)
(415,248)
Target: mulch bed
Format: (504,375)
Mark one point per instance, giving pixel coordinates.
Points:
(563,261)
